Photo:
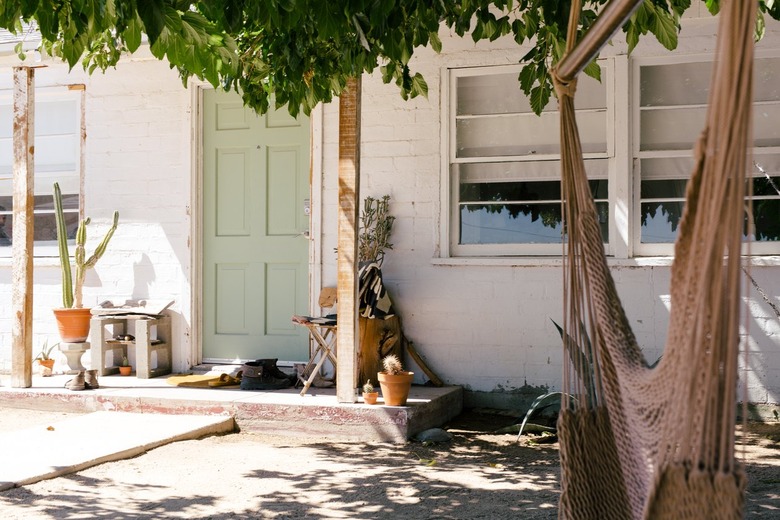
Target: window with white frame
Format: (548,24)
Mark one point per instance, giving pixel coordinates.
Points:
(503,175)
(504,169)
(671,104)
(57,159)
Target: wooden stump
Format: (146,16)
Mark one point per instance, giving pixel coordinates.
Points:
(378,338)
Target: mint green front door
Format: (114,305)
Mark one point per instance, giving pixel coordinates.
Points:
(255,253)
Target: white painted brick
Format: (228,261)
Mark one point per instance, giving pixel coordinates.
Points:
(485,327)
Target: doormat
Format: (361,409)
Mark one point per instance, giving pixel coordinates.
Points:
(193,380)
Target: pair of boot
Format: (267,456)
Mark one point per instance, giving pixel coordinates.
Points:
(263,374)
(84,380)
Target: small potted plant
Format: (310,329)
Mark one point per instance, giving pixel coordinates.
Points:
(125,368)
(73,318)
(395,382)
(44,357)
(369,394)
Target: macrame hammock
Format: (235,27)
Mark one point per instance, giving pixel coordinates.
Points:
(641,442)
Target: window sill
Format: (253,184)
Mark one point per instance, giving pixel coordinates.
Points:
(42,261)
(556,261)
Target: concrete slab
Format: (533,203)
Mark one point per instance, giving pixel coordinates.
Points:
(70,445)
(279,412)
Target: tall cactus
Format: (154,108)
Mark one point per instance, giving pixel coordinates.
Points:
(71,298)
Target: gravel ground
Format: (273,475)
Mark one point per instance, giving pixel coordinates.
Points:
(479,475)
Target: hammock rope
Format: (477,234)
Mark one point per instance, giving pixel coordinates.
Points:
(641,442)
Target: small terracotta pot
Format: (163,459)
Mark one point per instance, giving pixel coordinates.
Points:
(395,388)
(125,371)
(370,397)
(48,363)
(73,324)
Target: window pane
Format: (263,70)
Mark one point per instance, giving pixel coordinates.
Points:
(766,186)
(517,221)
(765,118)
(767,220)
(675,84)
(57,158)
(660,221)
(667,189)
(493,93)
(510,224)
(667,168)
(526,134)
(671,129)
(766,79)
(510,191)
(6,224)
(44,225)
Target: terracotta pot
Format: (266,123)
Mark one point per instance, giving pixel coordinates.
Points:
(48,363)
(395,388)
(125,371)
(370,397)
(73,324)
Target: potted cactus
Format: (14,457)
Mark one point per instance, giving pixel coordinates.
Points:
(125,369)
(370,395)
(73,318)
(44,356)
(394,381)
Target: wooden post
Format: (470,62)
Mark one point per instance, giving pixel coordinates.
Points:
(349,195)
(22,246)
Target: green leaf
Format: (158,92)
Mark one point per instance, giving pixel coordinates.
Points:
(665,29)
(151,13)
(435,41)
(406,51)
(361,34)
(632,36)
(540,96)
(760,27)
(518,28)
(419,86)
(132,34)
(388,72)
(527,78)
(593,70)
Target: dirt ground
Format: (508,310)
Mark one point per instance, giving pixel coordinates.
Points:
(479,475)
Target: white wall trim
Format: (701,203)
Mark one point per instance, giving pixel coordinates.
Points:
(317,146)
(196,220)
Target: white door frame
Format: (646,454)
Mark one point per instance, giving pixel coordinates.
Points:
(195,212)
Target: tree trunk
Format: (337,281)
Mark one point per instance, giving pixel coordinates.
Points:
(378,338)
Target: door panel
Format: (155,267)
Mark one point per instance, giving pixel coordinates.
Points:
(232,192)
(255,257)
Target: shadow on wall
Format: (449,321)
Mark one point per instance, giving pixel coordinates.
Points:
(143,276)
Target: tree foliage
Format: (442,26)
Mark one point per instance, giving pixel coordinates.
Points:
(301,52)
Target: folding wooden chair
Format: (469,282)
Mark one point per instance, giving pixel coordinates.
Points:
(323,334)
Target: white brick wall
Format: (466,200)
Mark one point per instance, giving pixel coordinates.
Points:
(138,162)
(487,327)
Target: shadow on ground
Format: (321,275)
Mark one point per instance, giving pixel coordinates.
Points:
(479,475)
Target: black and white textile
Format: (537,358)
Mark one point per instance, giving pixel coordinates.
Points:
(373,297)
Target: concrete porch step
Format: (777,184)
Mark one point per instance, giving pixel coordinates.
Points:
(281,412)
(73,444)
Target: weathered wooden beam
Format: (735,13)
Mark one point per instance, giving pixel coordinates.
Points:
(349,194)
(22,246)
(614,15)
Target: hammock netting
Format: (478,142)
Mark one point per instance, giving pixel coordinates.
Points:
(658,442)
